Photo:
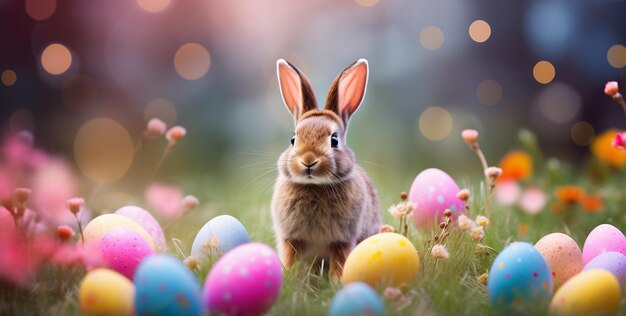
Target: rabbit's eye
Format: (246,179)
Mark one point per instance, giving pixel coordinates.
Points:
(334,140)
(293,140)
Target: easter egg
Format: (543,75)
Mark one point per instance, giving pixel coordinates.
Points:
(519,277)
(601,239)
(166,287)
(148,222)
(433,191)
(592,292)
(106,292)
(611,261)
(386,259)
(100,225)
(123,249)
(245,281)
(218,236)
(563,256)
(356,299)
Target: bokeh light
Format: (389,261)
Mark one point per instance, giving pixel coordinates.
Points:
(21,119)
(79,91)
(8,77)
(103,150)
(192,61)
(480,31)
(616,56)
(489,92)
(431,37)
(161,109)
(112,200)
(367,3)
(544,72)
(154,6)
(435,123)
(582,133)
(56,59)
(40,9)
(559,103)
(550,27)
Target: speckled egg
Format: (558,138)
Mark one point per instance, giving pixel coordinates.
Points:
(356,299)
(386,259)
(434,191)
(148,222)
(123,249)
(592,292)
(245,281)
(100,225)
(105,292)
(601,239)
(218,236)
(166,287)
(613,262)
(519,278)
(563,256)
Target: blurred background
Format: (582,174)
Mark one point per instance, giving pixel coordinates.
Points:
(437,67)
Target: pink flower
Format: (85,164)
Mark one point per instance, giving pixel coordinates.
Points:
(611,88)
(507,192)
(470,136)
(493,172)
(619,141)
(533,200)
(190,202)
(156,127)
(175,134)
(165,199)
(53,185)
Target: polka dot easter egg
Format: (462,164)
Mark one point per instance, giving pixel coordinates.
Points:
(601,239)
(102,224)
(245,281)
(563,256)
(106,292)
(434,191)
(218,236)
(593,292)
(147,221)
(519,278)
(166,287)
(356,299)
(123,249)
(613,262)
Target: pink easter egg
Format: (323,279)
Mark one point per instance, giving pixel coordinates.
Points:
(433,191)
(148,222)
(563,256)
(122,249)
(245,281)
(601,239)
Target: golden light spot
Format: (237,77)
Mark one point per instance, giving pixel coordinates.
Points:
(79,91)
(616,55)
(103,150)
(431,37)
(489,92)
(480,31)
(8,77)
(161,109)
(56,59)
(40,9)
(435,123)
(544,72)
(367,3)
(582,133)
(192,61)
(154,6)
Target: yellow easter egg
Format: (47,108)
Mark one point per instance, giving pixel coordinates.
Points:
(593,292)
(386,259)
(106,292)
(102,224)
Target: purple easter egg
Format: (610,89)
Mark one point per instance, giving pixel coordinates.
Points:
(601,239)
(148,222)
(433,191)
(245,281)
(611,261)
(123,249)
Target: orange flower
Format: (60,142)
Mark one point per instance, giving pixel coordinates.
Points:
(570,194)
(516,165)
(605,152)
(522,229)
(592,204)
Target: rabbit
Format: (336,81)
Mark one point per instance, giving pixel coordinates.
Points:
(323,202)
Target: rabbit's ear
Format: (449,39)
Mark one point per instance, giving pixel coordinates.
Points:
(295,89)
(347,91)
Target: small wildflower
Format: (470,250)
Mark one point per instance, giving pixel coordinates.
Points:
(516,165)
(569,194)
(611,88)
(493,172)
(482,221)
(483,278)
(465,223)
(447,213)
(175,134)
(522,229)
(386,229)
(602,149)
(212,243)
(190,202)
(619,141)
(470,136)
(75,204)
(392,293)
(401,210)
(440,252)
(463,195)
(65,232)
(403,196)
(22,194)
(156,127)
(592,204)
(477,233)
(191,263)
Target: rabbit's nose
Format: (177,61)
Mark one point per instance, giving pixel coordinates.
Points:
(309,165)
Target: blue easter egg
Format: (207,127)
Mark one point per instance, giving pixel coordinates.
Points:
(611,261)
(519,278)
(356,298)
(218,236)
(164,286)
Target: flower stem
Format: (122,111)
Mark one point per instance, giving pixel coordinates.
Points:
(620,99)
(166,152)
(80,229)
